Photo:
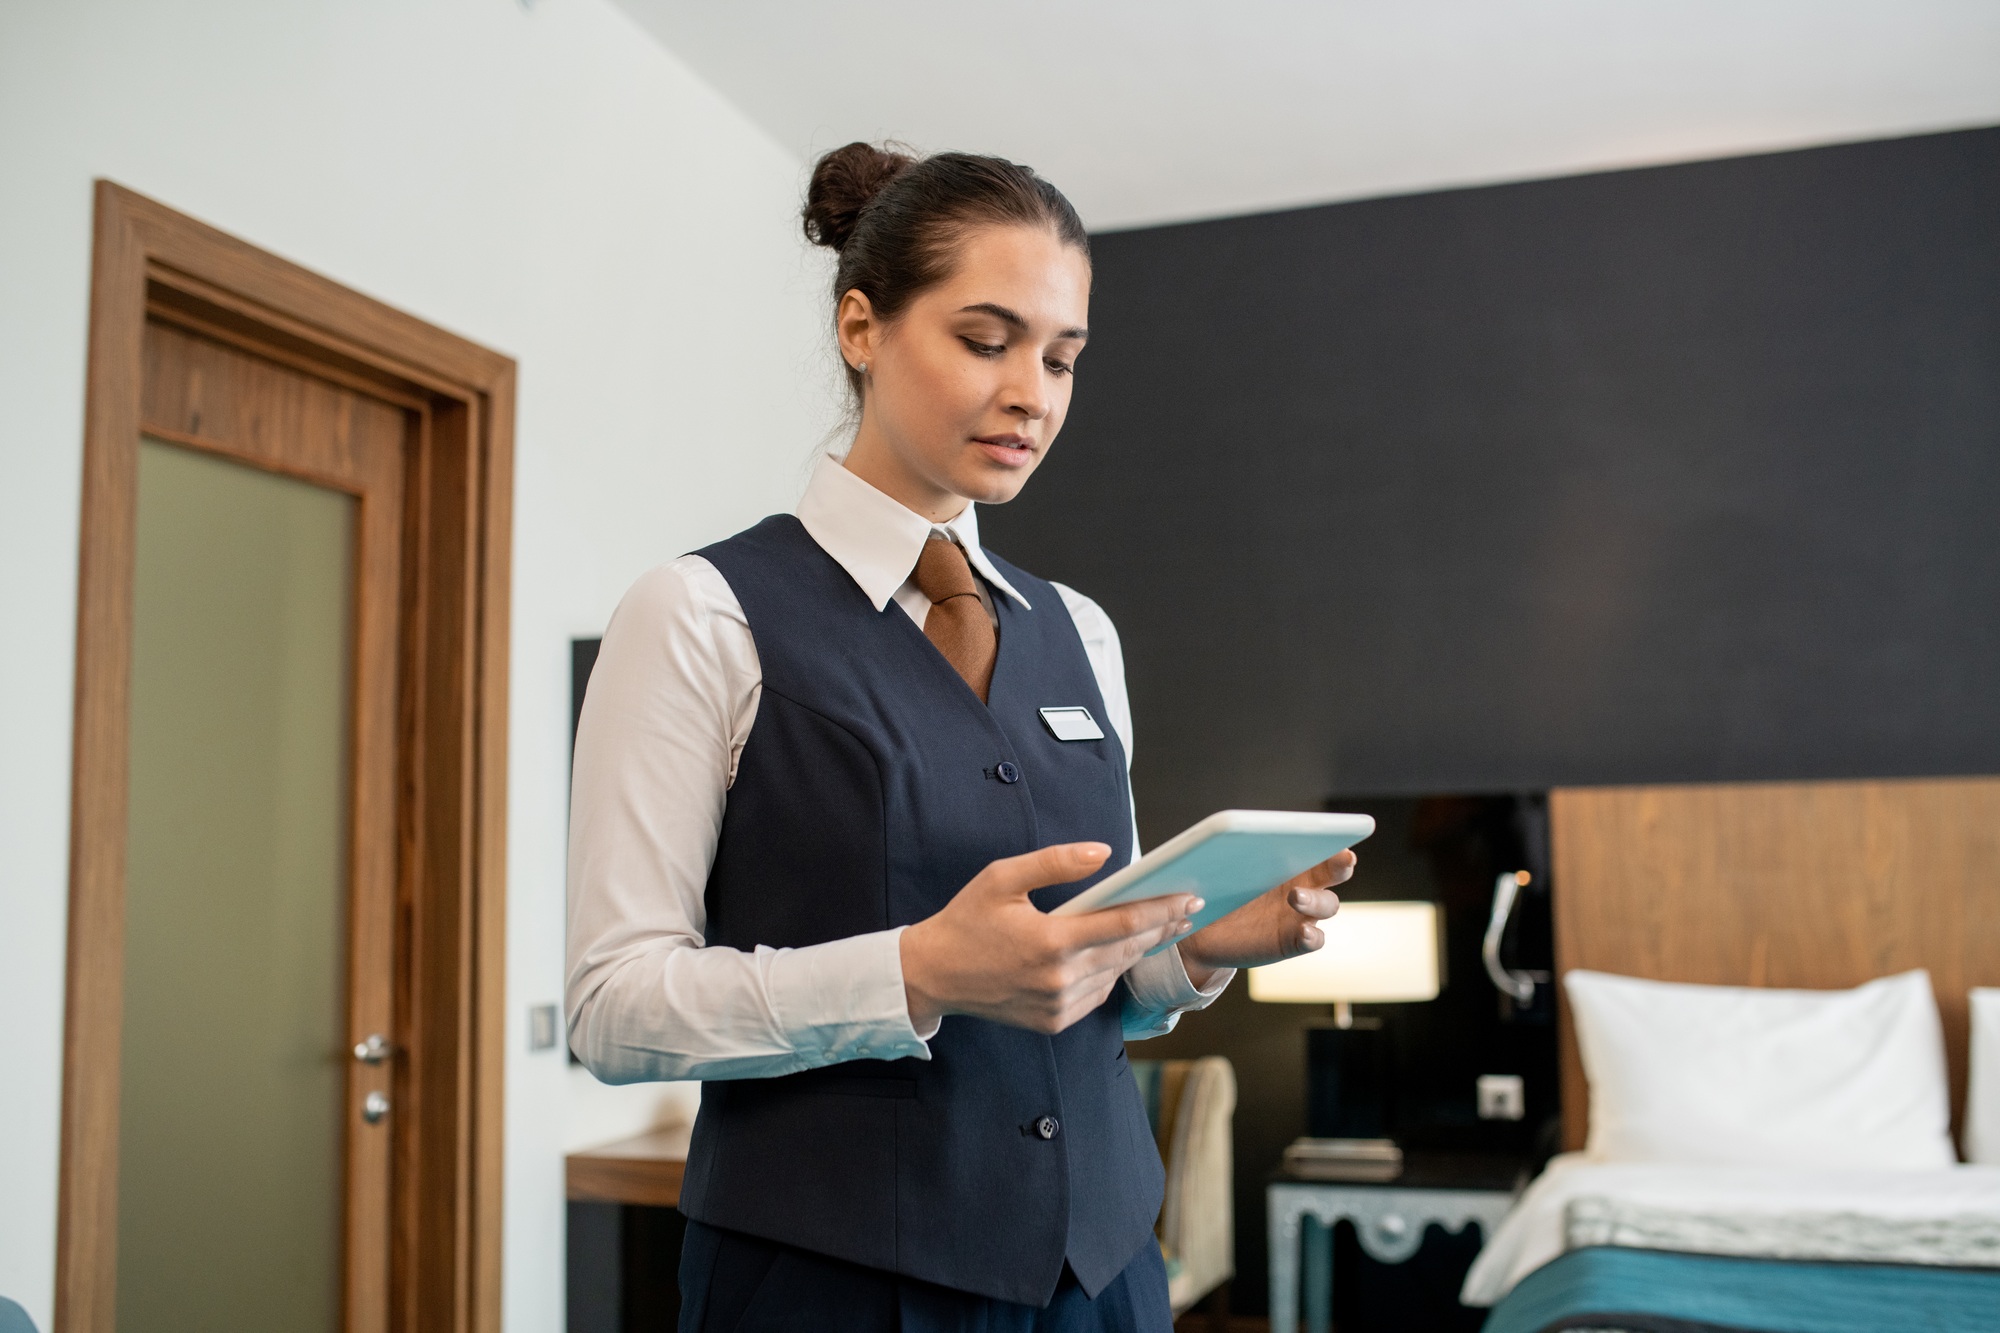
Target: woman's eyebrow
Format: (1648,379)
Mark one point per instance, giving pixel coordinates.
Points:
(1006,316)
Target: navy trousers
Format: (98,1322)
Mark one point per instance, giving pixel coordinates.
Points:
(733,1283)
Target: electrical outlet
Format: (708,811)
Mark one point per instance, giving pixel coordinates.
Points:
(1502,1097)
(544,1022)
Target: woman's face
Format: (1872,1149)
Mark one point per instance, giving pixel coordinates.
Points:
(966,390)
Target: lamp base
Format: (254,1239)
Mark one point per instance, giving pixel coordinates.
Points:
(1348,1083)
(1369,1160)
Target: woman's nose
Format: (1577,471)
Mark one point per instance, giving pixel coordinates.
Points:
(1027,393)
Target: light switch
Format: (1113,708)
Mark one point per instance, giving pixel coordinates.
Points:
(1502,1097)
(544,1022)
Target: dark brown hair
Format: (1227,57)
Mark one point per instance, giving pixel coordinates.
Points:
(896,221)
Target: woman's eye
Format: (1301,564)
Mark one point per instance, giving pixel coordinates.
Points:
(983,349)
(1059,367)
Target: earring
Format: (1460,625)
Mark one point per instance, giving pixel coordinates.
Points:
(862,368)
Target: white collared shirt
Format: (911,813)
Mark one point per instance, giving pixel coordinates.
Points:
(671,702)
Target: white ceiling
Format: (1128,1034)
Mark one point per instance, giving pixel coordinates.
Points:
(1149,111)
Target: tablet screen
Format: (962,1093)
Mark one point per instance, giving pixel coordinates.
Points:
(1228,859)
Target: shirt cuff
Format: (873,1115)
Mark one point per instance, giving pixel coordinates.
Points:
(1159,992)
(844,1000)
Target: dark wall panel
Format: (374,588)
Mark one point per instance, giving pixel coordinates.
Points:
(1688,473)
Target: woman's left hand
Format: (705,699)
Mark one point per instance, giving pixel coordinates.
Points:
(1283,923)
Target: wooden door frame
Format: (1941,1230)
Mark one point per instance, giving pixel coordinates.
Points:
(152,262)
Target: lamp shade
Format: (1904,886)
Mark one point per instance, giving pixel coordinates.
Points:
(1375,953)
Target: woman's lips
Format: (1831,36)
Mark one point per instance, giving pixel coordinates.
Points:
(1007,450)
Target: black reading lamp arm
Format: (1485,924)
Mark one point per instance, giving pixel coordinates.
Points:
(1516,984)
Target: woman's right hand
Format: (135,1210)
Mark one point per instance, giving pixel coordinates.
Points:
(993,954)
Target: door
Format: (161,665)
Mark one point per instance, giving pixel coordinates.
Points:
(257,1080)
(282,1061)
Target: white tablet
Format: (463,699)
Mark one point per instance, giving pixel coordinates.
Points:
(1228,859)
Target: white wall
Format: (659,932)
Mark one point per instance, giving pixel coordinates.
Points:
(544,180)
(1152,111)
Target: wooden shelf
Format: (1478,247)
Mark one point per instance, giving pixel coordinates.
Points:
(645,1170)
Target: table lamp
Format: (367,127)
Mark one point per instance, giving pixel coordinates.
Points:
(1375,953)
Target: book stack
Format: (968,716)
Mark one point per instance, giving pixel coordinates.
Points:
(1344,1159)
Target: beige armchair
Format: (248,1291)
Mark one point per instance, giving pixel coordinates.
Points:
(1191,1104)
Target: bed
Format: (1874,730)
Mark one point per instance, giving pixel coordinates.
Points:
(1645,1246)
(1686,1221)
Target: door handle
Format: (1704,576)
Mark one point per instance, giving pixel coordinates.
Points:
(374,1050)
(373,1107)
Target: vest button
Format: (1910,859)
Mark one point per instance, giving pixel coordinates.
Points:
(1008,773)
(1048,1127)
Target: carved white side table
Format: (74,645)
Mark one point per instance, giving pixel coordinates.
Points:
(1389,1219)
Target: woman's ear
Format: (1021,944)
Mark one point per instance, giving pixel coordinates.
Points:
(855,323)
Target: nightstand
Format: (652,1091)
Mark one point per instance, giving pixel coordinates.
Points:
(1450,1190)
(624,1233)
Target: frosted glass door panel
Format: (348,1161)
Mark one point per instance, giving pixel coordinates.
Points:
(230,1188)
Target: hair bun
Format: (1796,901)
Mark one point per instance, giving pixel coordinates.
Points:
(843,182)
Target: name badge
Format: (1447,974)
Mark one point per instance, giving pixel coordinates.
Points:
(1072,724)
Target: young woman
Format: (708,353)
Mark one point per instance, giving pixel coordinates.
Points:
(817,821)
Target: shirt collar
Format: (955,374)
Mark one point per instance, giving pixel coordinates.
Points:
(876,540)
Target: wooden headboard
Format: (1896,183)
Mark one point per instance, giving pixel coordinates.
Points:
(1815,885)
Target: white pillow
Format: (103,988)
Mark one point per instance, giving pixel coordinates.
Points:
(1744,1075)
(1982,1096)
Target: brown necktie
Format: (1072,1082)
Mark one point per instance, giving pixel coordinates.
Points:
(957,622)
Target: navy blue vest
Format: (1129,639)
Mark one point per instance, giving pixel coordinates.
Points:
(874,784)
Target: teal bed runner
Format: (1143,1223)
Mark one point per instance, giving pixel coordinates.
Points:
(1653,1291)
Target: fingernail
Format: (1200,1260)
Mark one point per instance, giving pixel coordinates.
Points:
(1195,905)
(1298,898)
(1096,851)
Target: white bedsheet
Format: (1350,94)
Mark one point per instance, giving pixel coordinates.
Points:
(1535,1231)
